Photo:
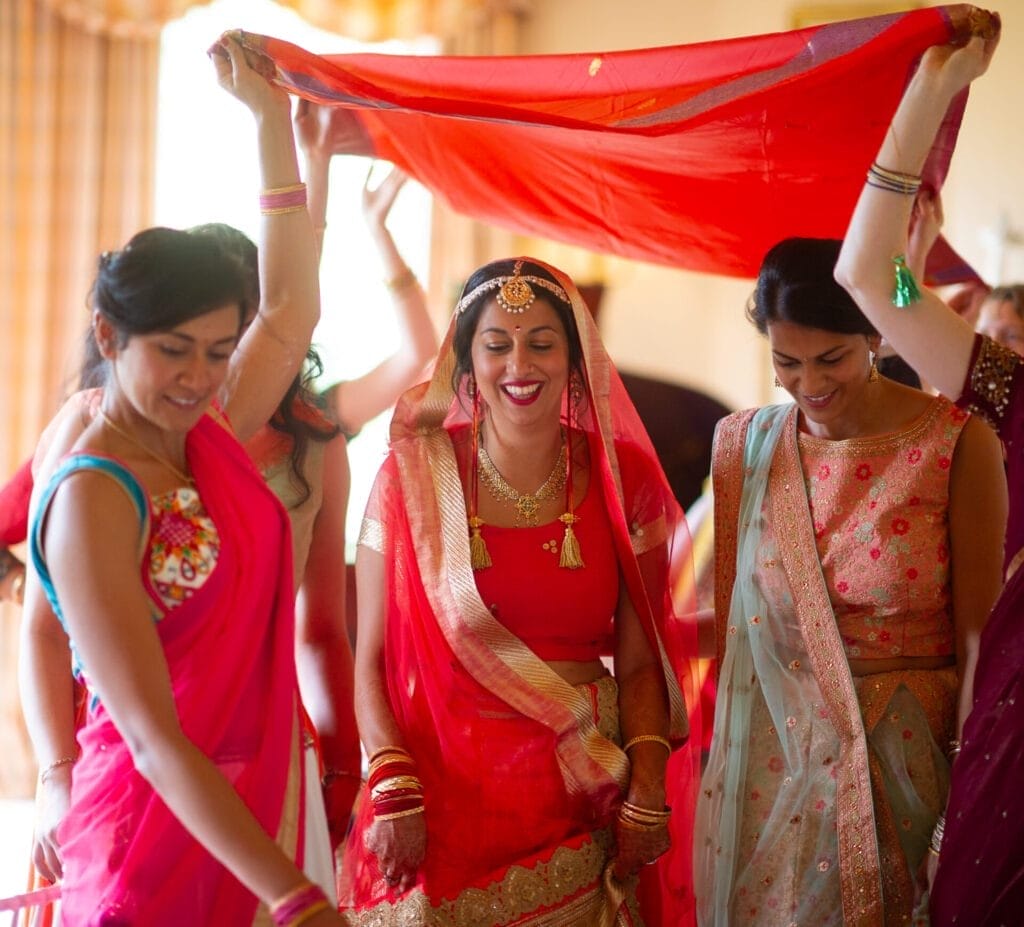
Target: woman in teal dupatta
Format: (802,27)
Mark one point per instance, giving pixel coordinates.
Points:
(849,598)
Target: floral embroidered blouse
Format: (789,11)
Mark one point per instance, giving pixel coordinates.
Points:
(183,547)
(880,511)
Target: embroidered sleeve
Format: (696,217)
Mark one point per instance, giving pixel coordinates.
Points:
(991,383)
(371,535)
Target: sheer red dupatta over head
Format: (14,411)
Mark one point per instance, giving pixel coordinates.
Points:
(229,650)
(697,156)
(508,752)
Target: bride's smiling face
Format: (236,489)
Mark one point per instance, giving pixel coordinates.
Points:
(520,363)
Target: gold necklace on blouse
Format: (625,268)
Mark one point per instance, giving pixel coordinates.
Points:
(159,458)
(527,504)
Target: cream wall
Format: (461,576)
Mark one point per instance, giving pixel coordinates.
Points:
(689,328)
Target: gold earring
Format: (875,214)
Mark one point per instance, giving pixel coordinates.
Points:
(778,385)
(873,372)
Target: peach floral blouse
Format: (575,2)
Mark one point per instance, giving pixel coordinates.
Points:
(880,512)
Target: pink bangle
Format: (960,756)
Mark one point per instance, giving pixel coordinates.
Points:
(298,905)
(280,200)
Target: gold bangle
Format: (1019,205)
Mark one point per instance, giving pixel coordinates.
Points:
(397,782)
(390,748)
(315,908)
(642,828)
(331,774)
(291,188)
(638,815)
(647,739)
(386,755)
(283,210)
(56,764)
(303,886)
(897,176)
(394,815)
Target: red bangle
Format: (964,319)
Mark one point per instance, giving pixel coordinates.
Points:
(389,771)
(391,805)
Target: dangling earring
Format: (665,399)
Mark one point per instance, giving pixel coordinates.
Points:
(778,385)
(571,557)
(576,392)
(479,556)
(873,372)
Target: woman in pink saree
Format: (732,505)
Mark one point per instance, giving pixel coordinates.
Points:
(532,782)
(980,876)
(857,537)
(186,793)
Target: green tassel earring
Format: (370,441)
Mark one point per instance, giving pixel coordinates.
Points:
(906,291)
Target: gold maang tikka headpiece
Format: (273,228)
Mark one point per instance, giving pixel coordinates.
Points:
(515,293)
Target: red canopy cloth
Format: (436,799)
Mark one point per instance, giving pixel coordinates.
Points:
(696,156)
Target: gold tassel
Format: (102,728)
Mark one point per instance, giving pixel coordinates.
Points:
(479,557)
(570,558)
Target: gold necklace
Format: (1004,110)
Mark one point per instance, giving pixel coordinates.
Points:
(159,458)
(527,504)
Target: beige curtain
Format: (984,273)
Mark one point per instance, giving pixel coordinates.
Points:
(365,20)
(77,117)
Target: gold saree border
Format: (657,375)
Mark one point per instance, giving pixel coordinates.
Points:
(727,476)
(878,444)
(371,535)
(935,691)
(569,889)
(289,830)
(859,862)
(598,369)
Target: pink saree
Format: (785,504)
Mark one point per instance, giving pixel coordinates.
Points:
(522,772)
(127,859)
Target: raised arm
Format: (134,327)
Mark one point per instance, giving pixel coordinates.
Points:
(927,334)
(275,344)
(323,132)
(357,401)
